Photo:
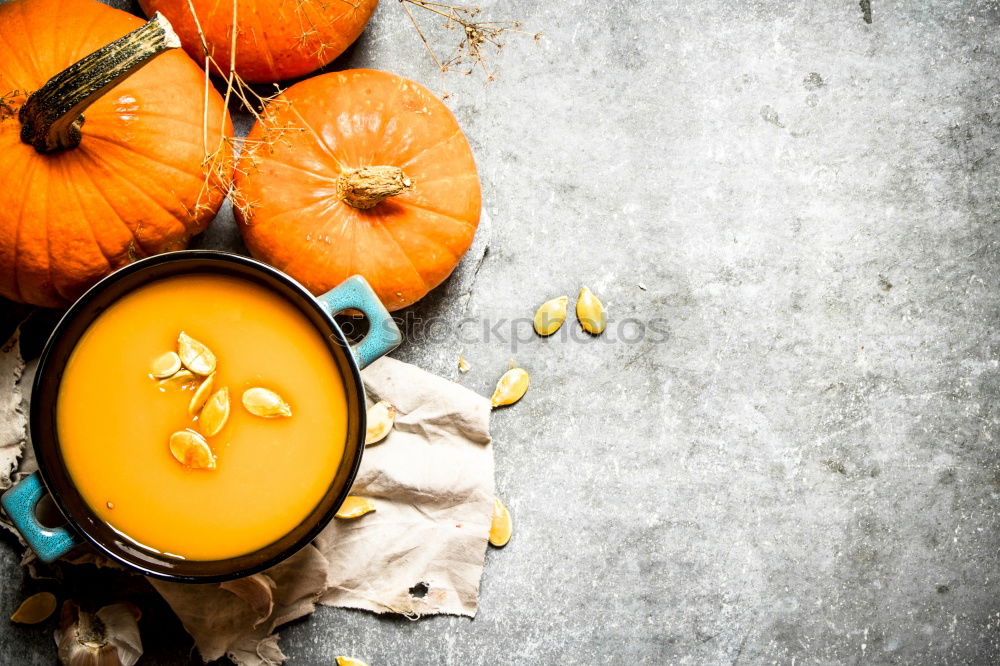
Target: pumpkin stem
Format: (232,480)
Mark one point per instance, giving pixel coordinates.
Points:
(367,187)
(51,117)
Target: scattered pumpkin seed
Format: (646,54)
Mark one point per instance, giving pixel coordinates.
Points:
(501,526)
(191,450)
(180,379)
(350,661)
(590,312)
(355,507)
(511,387)
(165,365)
(36,608)
(550,315)
(381,417)
(266,403)
(463,365)
(215,413)
(195,356)
(201,395)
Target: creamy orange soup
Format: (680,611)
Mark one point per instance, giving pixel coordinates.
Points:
(115,419)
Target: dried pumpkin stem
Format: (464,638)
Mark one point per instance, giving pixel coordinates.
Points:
(367,187)
(51,117)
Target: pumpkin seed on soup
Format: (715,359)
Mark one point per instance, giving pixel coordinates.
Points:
(36,608)
(195,356)
(180,379)
(201,395)
(191,450)
(265,403)
(215,413)
(511,387)
(550,315)
(355,507)
(381,417)
(165,365)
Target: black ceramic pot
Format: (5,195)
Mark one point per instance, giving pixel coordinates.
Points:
(82,524)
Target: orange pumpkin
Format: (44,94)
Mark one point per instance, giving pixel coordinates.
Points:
(83,195)
(275,39)
(359,172)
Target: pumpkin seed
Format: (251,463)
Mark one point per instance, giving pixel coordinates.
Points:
(36,608)
(550,315)
(215,413)
(511,387)
(191,450)
(381,416)
(201,395)
(195,356)
(590,312)
(463,365)
(266,403)
(355,507)
(501,526)
(180,379)
(165,365)
(350,661)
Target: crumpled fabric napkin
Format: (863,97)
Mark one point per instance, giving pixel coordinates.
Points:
(421,552)
(13,416)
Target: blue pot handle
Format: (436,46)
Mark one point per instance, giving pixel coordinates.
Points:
(355,293)
(49,543)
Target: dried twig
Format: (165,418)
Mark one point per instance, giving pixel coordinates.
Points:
(219,158)
(477,36)
(471,53)
(308,27)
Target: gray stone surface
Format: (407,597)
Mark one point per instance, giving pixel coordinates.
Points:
(799,465)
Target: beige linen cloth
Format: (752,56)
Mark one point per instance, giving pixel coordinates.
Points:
(421,551)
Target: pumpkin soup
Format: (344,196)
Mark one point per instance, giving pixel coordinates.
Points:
(169,421)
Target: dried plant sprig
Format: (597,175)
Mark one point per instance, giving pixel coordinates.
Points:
(308,27)
(221,157)
(477,36)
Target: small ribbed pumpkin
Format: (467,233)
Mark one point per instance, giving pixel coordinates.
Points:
(363,172)
(275,39)
(102,161)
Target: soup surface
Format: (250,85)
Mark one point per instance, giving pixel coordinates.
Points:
(115,419)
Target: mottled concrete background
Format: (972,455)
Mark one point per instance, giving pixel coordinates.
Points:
(800,464)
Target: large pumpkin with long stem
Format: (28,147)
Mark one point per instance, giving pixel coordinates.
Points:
(359,172)
(274,39)
(102,162)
